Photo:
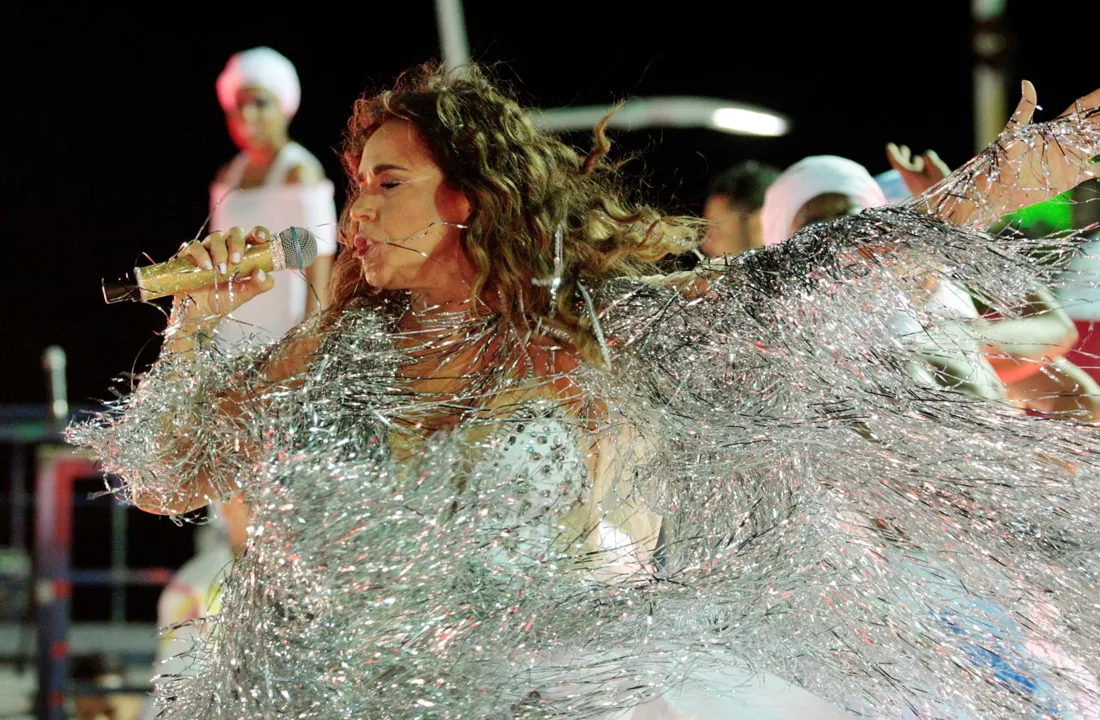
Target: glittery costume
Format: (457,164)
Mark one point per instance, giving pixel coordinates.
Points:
(755,487)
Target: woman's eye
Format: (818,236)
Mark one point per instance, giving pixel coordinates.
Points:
(390,184)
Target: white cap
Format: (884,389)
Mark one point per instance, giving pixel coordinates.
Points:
(807,179)
(260,67)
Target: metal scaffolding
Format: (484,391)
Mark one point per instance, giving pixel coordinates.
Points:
(37,432)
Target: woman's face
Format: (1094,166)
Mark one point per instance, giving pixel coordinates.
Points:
(406,218)
(257,120)
(734,229)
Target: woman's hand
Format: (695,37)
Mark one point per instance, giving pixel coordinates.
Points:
(221,252)
(1043,167)
(1027,165)
(918,172)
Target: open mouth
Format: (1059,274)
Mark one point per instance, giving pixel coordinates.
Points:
(364,245)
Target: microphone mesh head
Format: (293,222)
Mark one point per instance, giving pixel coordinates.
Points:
(299,247)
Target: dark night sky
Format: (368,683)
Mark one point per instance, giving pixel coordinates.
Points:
(112,129)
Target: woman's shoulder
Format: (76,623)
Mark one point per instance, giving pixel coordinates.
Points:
(303,174)
(300,166)
(222,176)
(337,333)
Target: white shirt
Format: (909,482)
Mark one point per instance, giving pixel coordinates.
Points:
(275,206)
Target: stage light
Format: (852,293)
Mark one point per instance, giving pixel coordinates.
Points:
(657,112)
(748,122)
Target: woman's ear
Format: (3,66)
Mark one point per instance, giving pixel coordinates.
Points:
(452,204)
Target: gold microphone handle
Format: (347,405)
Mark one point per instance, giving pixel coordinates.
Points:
(180,275)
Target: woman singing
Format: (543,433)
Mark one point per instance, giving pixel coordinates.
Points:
(510,473)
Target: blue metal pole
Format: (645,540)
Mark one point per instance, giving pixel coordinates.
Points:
(118,560)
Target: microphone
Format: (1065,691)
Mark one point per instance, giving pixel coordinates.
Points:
(294,248)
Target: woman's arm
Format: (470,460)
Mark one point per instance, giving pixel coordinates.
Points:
(1027,164)
(1044,332)
(167,439)
(229,418)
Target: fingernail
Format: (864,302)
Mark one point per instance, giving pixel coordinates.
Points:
(223,269)
(235,258)
(206,265)
(261,234)
(261,276)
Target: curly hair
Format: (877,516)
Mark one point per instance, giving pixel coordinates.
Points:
(524,186)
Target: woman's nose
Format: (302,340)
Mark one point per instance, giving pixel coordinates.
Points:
(364,208)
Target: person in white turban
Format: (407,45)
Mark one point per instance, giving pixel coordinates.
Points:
(816,189)
(273,182)
(276,183)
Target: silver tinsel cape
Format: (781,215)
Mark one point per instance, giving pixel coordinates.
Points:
(765,483)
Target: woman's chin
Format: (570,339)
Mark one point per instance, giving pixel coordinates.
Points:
(373,277)
(379,276)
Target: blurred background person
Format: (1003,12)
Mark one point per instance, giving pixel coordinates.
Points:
(273,182)
(734,201)
(97,672)
(816,189)
(823,188)
(1029,353)
(194,593)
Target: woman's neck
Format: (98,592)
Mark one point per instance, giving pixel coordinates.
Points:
(449,291)
(425,303)
(264,155)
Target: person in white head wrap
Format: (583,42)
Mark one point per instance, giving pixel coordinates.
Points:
(276,183)
(273,182)
(265,68)
(816,189)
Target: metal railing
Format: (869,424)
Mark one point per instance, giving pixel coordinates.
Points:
(36,431)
